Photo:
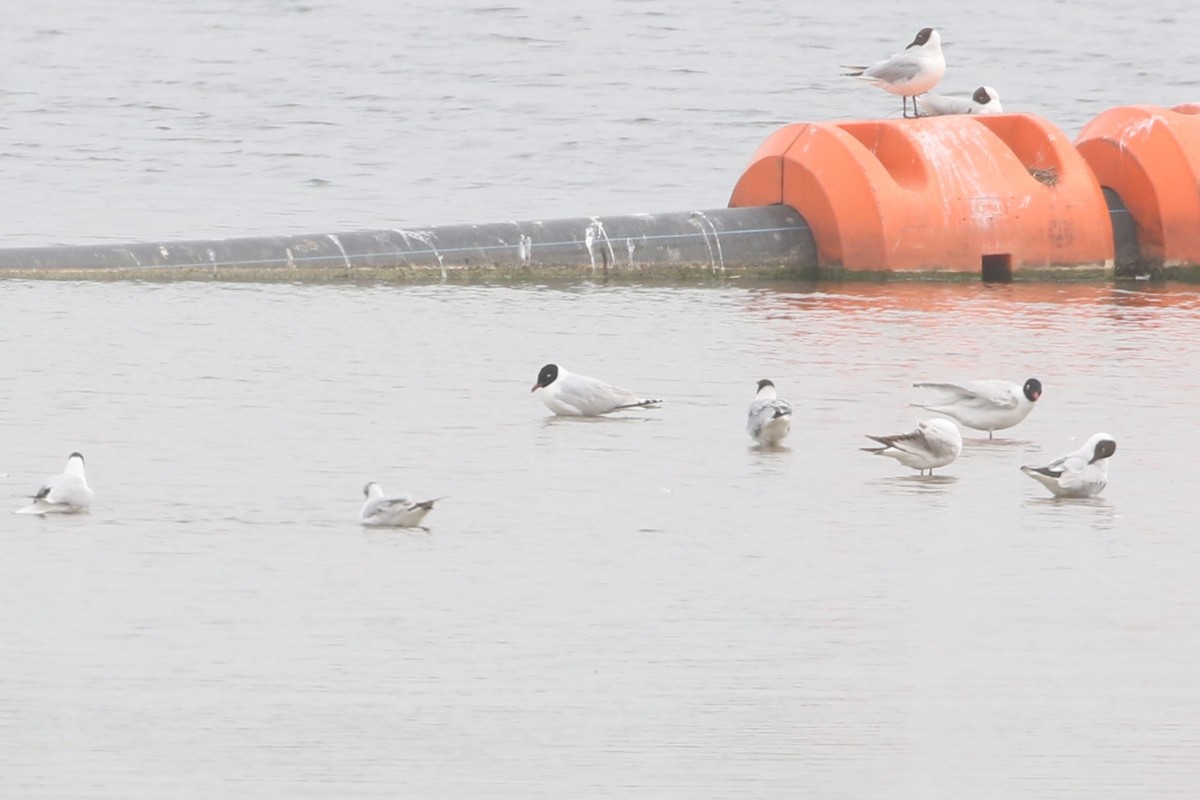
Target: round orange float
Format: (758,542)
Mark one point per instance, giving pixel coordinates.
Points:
(1150,157)
(995,194)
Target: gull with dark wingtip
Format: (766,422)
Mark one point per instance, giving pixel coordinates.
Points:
(910,73)
(401,511)
(66,493)
(770,419)
(1083,473)
(934,443)
(987,405)
(571,395)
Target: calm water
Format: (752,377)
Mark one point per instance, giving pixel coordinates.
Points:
(632,607)
(139,120)
(637,607)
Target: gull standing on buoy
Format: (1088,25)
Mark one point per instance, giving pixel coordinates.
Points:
(910,73)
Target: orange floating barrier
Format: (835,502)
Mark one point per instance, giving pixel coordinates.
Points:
(995,194)
(1150,156)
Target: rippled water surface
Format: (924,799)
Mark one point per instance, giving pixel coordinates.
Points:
(642,606)
(139,120)
(636,607)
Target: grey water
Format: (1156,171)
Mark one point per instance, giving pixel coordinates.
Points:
(641,606)
(138,121)
(635,606)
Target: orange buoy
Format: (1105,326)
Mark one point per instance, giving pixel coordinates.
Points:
(993,193)
(1150,156)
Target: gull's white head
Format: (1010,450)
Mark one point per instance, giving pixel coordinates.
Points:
(944,431)
(372,490)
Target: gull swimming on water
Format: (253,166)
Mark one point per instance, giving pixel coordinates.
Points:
(571,395)
(985,100)
(392,512)
(1083,473)
(770,419)
(66,493)
(914,71)
(986,405)
(934,443)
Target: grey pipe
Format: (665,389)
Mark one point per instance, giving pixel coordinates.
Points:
(768,239)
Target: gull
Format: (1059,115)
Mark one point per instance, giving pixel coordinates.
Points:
(770,419)
(985,405)
(910,73)
(934,443)
(985,100)
(571,395)
(67,493)
(1083,473)
(392,512)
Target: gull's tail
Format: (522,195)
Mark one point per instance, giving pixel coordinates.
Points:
(642,404)
(427,505)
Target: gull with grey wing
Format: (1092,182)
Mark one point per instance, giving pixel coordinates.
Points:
(914,71)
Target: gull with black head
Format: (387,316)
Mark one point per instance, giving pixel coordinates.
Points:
(986,405)
(571,395)
(1083,473)
(985,100)
(769,419)
(914,71)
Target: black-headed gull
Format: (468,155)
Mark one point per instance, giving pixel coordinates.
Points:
(392,512)
(571,395)
(770,419)
(914,71)
(67,493)
(988,405)
(985,100)
(934,443)
(1083,473)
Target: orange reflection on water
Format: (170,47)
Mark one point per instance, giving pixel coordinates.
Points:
(985,299)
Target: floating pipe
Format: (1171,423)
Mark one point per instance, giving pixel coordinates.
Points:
(772,239)
(965,196)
